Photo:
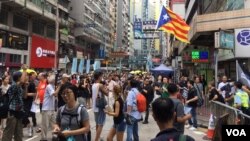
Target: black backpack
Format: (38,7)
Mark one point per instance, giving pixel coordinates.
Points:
(78,116)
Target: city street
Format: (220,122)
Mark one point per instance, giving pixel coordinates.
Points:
(146,131)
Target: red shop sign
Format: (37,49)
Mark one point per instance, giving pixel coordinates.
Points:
(42,52)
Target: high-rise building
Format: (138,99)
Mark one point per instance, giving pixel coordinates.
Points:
(28,32)
(93,30)
(122,24)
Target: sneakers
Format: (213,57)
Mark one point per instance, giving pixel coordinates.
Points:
(30,132)
(192,128)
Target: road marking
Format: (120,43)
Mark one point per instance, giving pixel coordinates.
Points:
(30,139)
(199,133)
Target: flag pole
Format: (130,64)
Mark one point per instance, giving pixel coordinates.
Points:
(237,71)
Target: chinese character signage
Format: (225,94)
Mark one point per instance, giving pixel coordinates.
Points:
(200,56)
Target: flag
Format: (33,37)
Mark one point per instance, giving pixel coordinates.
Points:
(88,66)
(81,66)
(174,24)
(74,66)
(242,76)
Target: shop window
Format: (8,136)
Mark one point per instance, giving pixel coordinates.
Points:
(51,32)
(2,57)
(20,22)
(38,27)
(15,58)
(3,38)
(17,41)
(4,17)
(25,59)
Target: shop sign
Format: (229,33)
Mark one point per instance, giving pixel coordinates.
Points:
(242,42)
(200,56)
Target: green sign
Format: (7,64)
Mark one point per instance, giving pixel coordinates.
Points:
(200,56)
(64,31)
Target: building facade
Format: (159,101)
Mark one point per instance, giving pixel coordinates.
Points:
(207,17)
(28,32)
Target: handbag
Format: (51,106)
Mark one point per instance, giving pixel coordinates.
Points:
(35,108)
(101,101)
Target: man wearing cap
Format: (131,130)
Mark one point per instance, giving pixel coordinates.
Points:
(16,107)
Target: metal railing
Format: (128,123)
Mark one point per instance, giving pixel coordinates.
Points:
(236,116)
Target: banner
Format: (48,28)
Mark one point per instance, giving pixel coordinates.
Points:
(97,65)
(74,66)
(242,76)
(242,42)
(138,29)
(88,66)
(81,66)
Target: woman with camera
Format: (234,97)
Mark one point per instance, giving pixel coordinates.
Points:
(119,123)
(72,121)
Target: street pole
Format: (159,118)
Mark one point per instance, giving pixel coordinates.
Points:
(237,71)
(216,67)
(57,35)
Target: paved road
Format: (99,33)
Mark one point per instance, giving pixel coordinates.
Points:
(146,132)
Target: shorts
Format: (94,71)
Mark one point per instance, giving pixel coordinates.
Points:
(100,117)
(120,127)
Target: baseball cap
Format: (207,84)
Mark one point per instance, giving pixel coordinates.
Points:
(16,76)
(66,75)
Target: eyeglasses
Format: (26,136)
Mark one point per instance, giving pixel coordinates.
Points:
(67,93)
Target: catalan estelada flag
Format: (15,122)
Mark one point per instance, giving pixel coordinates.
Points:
(174,24)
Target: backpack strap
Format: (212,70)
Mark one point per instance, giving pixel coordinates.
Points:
(60,113)
(182,137)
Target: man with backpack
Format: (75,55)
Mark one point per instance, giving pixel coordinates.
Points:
(133,115)
(165,121)
(181,118)
(199,88)
(16,94)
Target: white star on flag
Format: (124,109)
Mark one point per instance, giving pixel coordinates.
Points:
(165,17)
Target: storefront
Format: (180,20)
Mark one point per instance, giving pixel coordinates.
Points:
(42,53)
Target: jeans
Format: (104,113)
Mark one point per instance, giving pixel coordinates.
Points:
(193,120)
(132,130)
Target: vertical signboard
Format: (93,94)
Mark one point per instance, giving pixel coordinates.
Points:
(242,42)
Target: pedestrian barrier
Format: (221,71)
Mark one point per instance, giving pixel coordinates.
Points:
(226,115)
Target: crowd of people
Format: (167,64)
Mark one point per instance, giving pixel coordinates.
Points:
(63,104)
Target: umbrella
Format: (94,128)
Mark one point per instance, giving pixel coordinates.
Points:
(137,71)
(132,72)
(29,71)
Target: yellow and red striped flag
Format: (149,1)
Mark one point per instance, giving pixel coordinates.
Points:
(172,23)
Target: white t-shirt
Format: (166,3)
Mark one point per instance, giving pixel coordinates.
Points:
(49,99)
(95,90)
(222,84)
(111,85)
(5,88)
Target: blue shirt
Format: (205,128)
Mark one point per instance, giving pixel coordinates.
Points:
(131,101)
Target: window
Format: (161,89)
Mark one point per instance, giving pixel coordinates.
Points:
(3,38)
(15,58)
(2,57)
(25,59)
(20,22)
(38,27)
(17,41)
(4,17)
(51,32)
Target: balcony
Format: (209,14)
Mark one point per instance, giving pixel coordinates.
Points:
(215,21)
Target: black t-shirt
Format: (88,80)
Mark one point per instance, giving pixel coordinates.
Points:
(214,92)
(28,101)
(120,117)
(170,135)
(150,92)
(191,94)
